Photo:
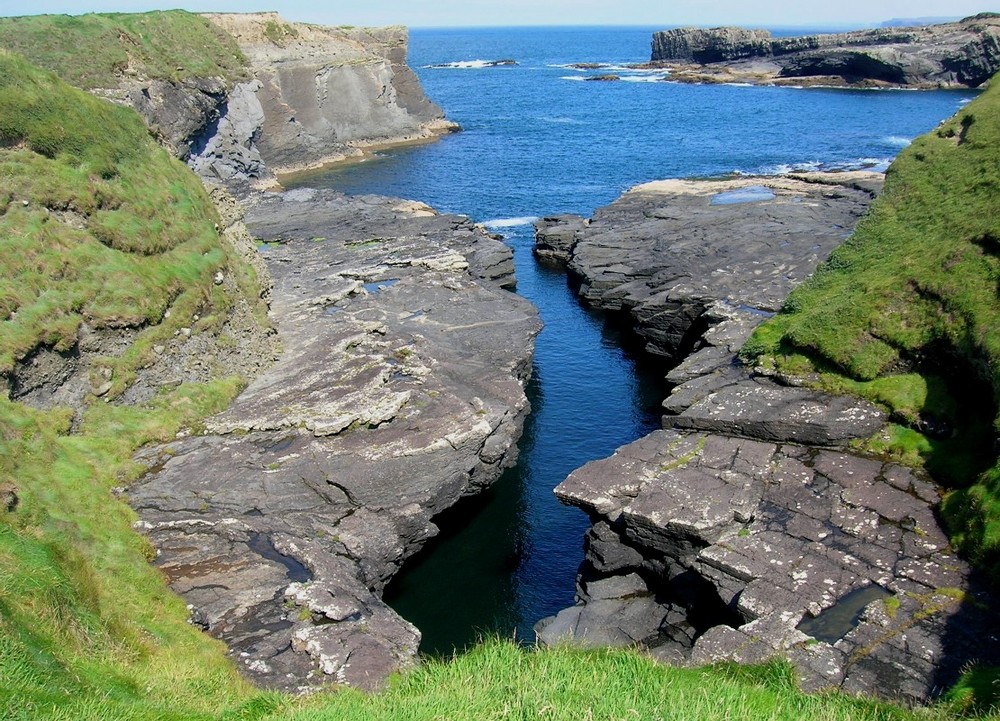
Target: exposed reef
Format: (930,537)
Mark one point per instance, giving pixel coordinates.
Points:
(746,529)
(399,390)
(961,54)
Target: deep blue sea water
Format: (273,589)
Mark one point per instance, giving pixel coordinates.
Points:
(538,140)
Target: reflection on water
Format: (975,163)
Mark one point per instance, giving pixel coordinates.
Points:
(837,621)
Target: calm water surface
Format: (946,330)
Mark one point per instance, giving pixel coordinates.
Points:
(540,140)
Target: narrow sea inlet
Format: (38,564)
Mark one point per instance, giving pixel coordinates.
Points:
(536,143)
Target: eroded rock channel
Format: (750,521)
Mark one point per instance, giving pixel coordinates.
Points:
(400,389)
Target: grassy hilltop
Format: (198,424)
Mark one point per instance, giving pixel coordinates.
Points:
(97,51)
(98,225)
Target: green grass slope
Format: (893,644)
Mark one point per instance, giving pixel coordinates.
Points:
(98,225)
(907,313)
(499,680)
(98,50)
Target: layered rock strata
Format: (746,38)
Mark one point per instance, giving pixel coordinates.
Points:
(317,94)
(309,95)
(665,251)
(400,390)
(962,54)
(708,547)
(744,530)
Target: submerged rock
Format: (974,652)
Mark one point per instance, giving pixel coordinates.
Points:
(400,389)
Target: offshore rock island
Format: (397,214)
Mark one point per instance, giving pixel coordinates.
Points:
(962,54)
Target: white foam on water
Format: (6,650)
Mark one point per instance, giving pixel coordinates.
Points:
(879,165)
(562,120)
(643,78)
(896,140)
(464,65)
(572,77)
(509,222)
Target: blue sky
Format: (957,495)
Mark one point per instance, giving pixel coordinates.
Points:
(761,13)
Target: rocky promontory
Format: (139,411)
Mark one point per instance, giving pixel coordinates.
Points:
(665,251)
(242,96)
(317,94)
(747,529)
(961,54)
(399,390)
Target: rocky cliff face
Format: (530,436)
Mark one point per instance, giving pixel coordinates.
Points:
(308,95)
(962,54)
(318,94)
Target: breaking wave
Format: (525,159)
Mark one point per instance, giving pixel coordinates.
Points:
(498,223)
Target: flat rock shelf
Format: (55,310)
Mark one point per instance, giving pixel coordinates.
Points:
(400,389)
(745,529)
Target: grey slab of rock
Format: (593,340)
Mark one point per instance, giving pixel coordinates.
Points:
(665,253)
(556,236)
(399,390)
(778,533)
(765,410)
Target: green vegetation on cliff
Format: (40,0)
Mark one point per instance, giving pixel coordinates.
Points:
(907,313)
(98,51)
(98,226)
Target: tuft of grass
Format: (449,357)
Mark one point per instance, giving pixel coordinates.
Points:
(279,33)
(499,680)
(89,200)
(906,313)
(99,50)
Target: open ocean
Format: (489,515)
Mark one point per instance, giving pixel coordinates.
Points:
(538,140)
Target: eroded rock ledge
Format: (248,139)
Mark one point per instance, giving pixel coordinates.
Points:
(745,530)
(665,251)
(400,389)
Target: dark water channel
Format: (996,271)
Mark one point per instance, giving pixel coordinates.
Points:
(507,558)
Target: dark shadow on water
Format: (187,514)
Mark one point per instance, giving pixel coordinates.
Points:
(461,586)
